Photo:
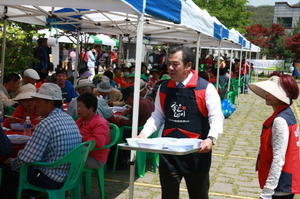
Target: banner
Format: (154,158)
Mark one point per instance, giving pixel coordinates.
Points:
(273,65)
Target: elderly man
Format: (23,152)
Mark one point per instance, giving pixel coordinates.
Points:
(84,86)
(10,84)
(189,107)
(67,89)
(55,136)
(30,76)
(111,95)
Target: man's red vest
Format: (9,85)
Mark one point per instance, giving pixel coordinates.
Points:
(289,180)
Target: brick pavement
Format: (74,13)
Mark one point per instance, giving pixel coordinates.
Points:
(234,156)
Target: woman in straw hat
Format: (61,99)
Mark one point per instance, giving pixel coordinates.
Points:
(26,107)
(278,161)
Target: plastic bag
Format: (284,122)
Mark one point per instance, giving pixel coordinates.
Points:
(227,108)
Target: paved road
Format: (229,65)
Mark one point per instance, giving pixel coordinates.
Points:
(234,156)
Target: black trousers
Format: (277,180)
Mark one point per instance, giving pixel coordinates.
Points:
(197,184)
(35,177)
(284,197)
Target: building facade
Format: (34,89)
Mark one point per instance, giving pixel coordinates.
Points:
(286,14)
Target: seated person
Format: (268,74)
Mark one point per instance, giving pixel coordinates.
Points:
(145,109)
(85,86)
(10,84)
(110,75)
(6,147)
(119,79)
(55,136)
(93,127)
(65,85)
(111,95)
(26,108)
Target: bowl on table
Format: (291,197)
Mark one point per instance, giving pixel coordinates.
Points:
(118,108)
(17,126)
(180,146)
(18,139)
(134,141)
(190,140)
(151,144)
(122,116)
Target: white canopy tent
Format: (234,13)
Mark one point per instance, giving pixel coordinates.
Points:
(123,17)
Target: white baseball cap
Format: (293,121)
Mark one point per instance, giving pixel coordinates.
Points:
(49,91)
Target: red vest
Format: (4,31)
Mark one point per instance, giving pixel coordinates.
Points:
(289,180)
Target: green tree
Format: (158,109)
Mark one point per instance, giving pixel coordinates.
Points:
(231,13)
(19,46)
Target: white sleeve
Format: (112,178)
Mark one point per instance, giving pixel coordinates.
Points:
(215,115)
(157,118)
(280,137)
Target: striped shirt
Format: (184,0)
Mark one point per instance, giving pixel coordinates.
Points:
(54,137)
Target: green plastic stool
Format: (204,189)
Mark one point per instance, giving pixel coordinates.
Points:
(231,96)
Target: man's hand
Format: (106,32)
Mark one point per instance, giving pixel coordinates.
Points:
(7,162)
(118,118)
(205,146)
(127,111)
(141,135)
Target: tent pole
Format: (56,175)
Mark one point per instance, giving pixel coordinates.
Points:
(197,52)
(138,61)
(3,48)
(77,56)
(120,52)
(230,69)
(218,68)
(240,74)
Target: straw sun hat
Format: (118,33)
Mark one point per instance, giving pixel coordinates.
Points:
(25,92)
(272,86)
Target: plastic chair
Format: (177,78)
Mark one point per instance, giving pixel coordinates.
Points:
(141,158)
(76,158)
(120,141)
(9,110)
(87,172)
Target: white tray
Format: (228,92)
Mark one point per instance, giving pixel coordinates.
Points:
(125,146)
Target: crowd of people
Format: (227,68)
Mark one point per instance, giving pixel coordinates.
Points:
(173,96)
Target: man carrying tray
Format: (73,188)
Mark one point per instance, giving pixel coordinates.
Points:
(189,107)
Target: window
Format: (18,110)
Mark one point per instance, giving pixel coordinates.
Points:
(286,22)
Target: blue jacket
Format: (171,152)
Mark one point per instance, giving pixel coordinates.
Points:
(70,90)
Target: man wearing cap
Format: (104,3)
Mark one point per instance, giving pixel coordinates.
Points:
(111,95)
(10,84)
(67,89)
(84,86)
(55,136)
(30,76)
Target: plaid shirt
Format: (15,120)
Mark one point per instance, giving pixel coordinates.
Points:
(54,137)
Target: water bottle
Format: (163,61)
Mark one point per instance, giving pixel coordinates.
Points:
(1,118)
(27,126)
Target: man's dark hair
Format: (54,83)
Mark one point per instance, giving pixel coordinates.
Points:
(187,56)
(109,74)
(57,103)
(12,76)
(82,70)
(116,69)
(89,100)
